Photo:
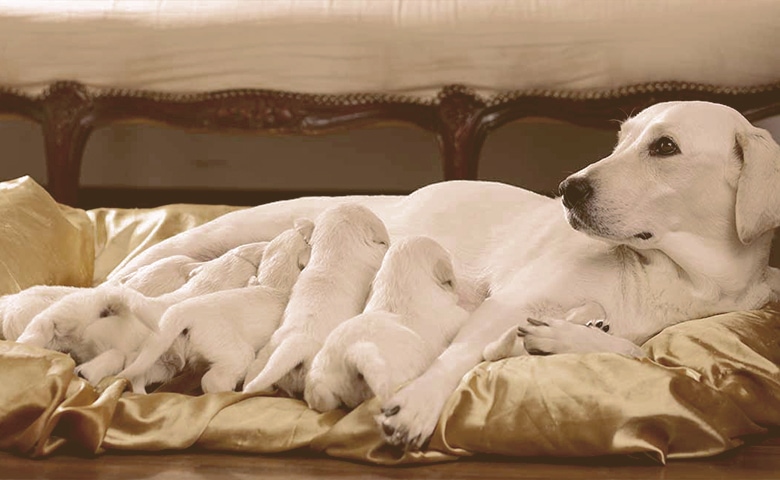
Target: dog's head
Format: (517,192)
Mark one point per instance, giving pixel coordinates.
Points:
(285,256)
(353,228)
(680,169)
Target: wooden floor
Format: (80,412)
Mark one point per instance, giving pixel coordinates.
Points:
(760,459)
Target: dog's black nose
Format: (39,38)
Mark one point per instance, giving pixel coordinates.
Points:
(574,190)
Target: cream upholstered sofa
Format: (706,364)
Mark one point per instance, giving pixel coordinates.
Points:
(457,69)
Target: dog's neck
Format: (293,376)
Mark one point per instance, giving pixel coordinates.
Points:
(717,270)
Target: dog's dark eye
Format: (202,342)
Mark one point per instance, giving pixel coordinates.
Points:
(664,147)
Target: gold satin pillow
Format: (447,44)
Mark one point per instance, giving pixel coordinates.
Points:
(706,384)
(41,241)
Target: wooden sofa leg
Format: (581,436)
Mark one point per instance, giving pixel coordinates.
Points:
(461,132)
(67,123)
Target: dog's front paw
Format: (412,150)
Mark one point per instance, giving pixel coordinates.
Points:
(409,417)
(602,325)
(552,336)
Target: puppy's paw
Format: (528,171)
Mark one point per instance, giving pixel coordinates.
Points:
(506,346)
(320,397)
(94,372)
(553,336)
(409,417)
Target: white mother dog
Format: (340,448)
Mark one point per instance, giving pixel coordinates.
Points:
(675,224)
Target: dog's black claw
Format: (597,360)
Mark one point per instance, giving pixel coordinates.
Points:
(521,332)
(536,351)
(599,323)
(589,323)
(537,323)
(389,412)
(605,328)
(388,430)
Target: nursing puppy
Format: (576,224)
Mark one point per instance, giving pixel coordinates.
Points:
(411,317)
(87,323)
(233,269)
(675,224)
(347,248)
(226,328)
(18,309)
(106,324)
(163,276)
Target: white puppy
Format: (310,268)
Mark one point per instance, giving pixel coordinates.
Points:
(18,309)
(676,223)
(411,317)
(163,276)
(86,323)
(101,325)
(233,269)
(347,248)
(226,328)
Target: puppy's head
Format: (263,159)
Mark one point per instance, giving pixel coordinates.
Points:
(286,255)
(81,324)
(353,228)
(415,268)
(243,261)
(693,168)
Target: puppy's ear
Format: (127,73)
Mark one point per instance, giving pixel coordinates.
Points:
(445,274)
(305,227)
(758,188)
(304,257)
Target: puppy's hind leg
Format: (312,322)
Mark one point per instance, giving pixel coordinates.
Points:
(319,395)
(370,366)
(288,355)
(107,363)
(175,321)
(229,356)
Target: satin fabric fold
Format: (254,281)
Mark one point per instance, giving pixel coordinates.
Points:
(42,242)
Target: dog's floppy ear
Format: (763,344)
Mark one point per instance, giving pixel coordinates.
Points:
(758,188)
(305,227)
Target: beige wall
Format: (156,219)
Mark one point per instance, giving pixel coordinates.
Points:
(535,156)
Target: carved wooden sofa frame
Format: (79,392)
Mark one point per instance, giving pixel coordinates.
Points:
(461,119)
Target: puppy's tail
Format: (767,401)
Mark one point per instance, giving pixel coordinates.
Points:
(366,359)
(290,354)
(174,322)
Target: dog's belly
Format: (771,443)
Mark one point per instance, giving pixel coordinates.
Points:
(470,218)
